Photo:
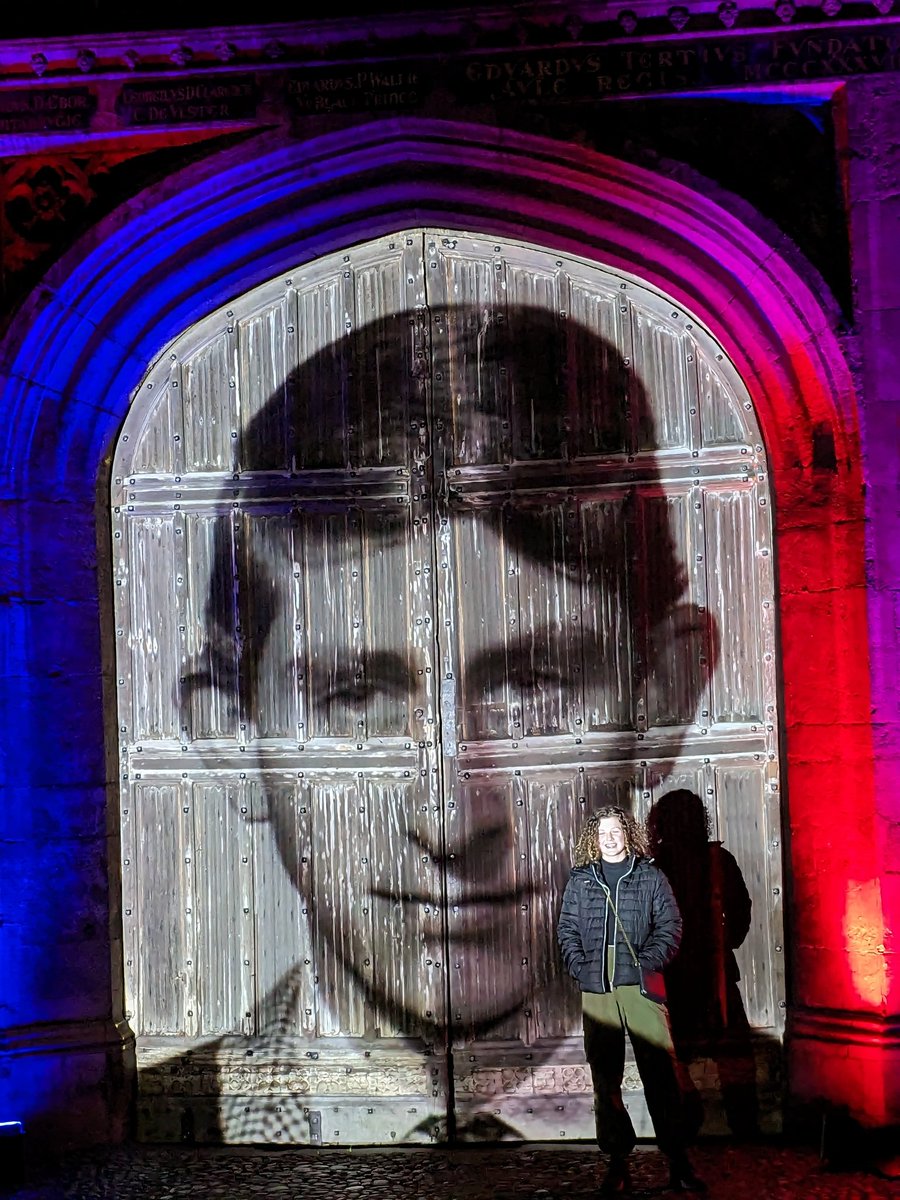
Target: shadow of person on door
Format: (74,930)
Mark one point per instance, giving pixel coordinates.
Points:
(703,982)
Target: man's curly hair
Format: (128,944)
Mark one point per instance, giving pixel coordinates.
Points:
(587,848)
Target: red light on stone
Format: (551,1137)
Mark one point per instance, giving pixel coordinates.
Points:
(863,929)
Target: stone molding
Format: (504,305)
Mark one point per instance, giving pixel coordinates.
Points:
(497,27)
(65,1037)
(845,1028)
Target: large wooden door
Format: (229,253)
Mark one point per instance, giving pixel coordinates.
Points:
(421,553)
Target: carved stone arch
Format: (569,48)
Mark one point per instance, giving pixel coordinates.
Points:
(75,354)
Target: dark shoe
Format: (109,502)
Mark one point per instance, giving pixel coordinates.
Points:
(617,1181)
(683,1177)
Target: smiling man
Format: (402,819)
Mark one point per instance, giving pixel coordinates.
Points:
(618,929)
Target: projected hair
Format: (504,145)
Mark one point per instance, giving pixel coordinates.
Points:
(537,354)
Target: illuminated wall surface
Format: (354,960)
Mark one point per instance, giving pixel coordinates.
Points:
(823,387)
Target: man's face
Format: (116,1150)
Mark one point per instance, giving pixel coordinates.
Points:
(460,652)
(611,840)
(420,876)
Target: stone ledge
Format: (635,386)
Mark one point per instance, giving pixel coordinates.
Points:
(64,1037)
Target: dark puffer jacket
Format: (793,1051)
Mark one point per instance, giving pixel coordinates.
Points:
(649,913)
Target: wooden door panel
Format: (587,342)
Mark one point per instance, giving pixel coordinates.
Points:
(745,827)
(719,408)
(483,600)
(733,549)
(221,894)
(675,651)
(210,669)
(600,620)
(263,343)
(281,949)
(606,602)
(210,408)
(597,377)
(664,369)
(550,666)
(159,892)
(148,572)
(424,552)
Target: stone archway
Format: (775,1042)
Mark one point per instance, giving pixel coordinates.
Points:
(75,356)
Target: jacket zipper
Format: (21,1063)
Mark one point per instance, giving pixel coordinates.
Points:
(612,981)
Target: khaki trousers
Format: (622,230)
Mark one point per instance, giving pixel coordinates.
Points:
(608,1016)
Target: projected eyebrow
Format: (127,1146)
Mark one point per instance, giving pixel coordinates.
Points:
(524,667)
(353,682)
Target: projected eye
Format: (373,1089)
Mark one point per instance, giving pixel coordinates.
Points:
(351,691)
(213,685)
(348,698)
(541,679)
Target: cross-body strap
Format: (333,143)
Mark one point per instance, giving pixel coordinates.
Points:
(622,928)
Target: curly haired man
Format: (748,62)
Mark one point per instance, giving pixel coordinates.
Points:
(618,929)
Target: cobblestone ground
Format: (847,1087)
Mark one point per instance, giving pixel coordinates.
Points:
(761,1172)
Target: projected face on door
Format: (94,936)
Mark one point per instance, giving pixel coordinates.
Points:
(465,602)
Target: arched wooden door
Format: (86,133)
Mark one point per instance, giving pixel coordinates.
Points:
(421,554)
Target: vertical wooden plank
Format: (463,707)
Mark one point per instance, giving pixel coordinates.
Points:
(673,667)
(597,378)
(272,622)
(554,811)
(607,615)
(486,599)
(487,912)
(283,955)
(152,605)
(209,395)
(406,905)
(264,345)
(318,385)
(735,603)
(383,385)
(534,357)
(210,692)
(133,943)
(470,371)
(664,384)
(221,897)
(549,620)
(166,902)
(343,936)
(396,595)
(721,415)
(744,831)
(154,449)
(334,660)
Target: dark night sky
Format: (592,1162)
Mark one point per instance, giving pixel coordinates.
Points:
(111,16)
